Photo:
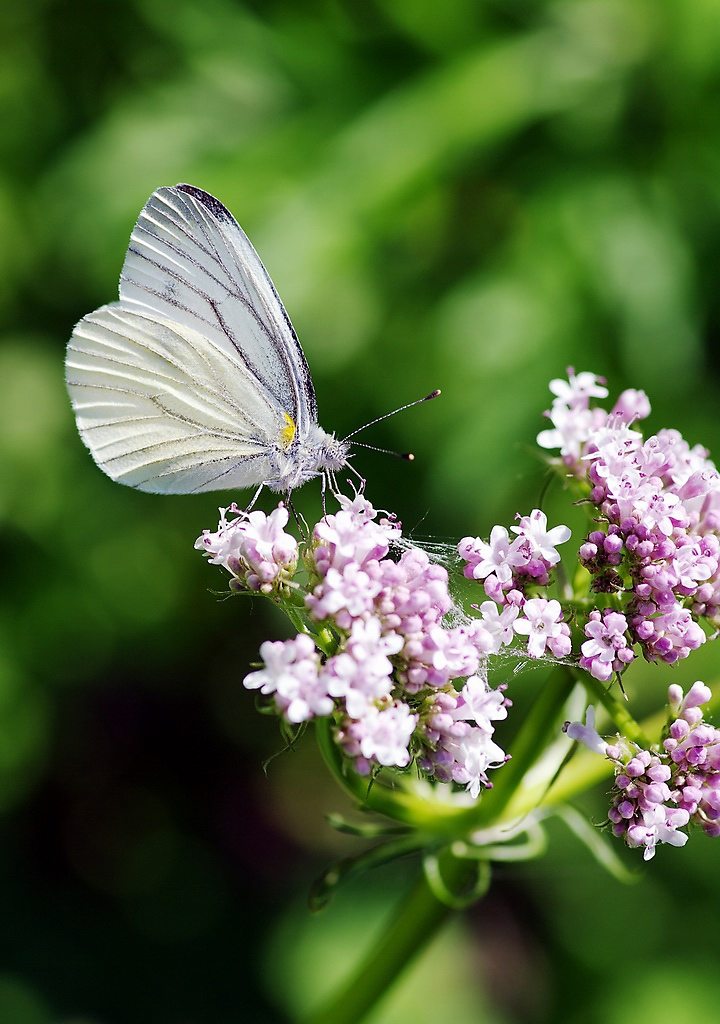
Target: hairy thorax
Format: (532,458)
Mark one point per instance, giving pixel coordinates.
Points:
(316,453)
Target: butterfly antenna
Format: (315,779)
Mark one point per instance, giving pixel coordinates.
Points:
(387,415)
(385,451)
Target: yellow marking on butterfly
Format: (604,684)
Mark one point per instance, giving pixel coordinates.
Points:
(288,432)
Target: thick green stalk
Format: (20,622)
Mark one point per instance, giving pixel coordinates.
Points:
(434,819)
(415,924)
(422,914)
(447,821)
(397,803)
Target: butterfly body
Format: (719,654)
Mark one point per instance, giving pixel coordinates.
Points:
(195,379)
(315,453)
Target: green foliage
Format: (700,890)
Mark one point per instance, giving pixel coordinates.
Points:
(459,195)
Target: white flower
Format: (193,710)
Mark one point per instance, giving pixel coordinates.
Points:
(292,673)
(533,529)
(349,589)
(571,429)
(578,389)
(499,624)
(474,752)
(351,535)
(385,735)
(660,824)
(253,547)
(490,557)
(542,622)
(361,673)
(481,704)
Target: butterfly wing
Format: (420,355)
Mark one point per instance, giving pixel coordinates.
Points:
(155,407)
(189,261)
(187,383)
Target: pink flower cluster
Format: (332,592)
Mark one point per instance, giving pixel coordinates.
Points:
(607,650)
(509,569)
(693,747)
(458,734)
(390,679)
(659,791)
(657,502)
(402,672)
(641,810)
(253,547)
(403,602)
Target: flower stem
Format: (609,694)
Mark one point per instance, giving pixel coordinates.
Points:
(529,742)
(416,922)
(617,710)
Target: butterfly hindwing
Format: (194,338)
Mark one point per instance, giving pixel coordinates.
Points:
(163,409)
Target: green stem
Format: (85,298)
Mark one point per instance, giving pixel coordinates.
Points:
(446,821)
(414,925)
(422,914)
(433,819)
(394,802)
(618,710)
(528,745)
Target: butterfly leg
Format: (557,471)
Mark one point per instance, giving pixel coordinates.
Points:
(360,477)
(255,497)
(301,524)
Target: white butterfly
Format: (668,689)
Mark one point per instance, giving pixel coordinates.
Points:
(195,380)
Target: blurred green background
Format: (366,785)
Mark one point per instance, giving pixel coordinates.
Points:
(464,195)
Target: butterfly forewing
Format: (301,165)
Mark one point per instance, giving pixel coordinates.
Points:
(190,262)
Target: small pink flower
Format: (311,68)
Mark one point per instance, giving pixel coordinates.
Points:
(586,733)
(292,673)
(486,558)
(542,624)
(541,541)
(384,735)
(607,650)
(253,547)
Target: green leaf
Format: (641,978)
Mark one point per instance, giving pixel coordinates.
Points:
(598,845)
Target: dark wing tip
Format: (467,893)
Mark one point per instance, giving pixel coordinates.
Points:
(211,204)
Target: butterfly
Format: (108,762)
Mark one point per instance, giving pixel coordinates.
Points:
(195,379)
